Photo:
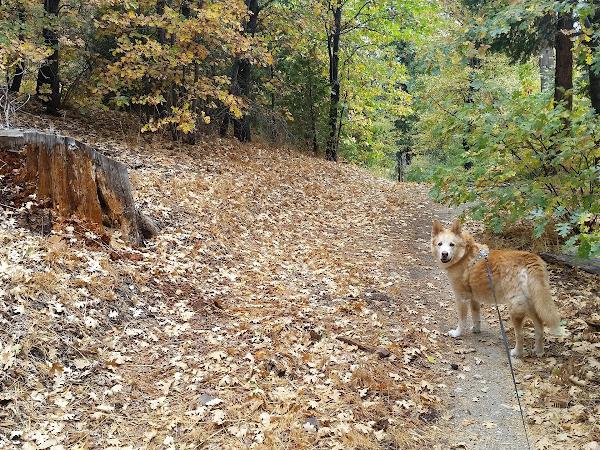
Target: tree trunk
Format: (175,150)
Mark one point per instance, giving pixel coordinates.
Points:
(340,124)
(272,118)
(474,64)
(161,109)
(17,79)
(594,75)
(224,126)
(241,87)
(594,89)
(547,69)
(78,180)
(161,34)
(313,118)
(563,74)
(190,138)
(401,163)
(241,79)
(48,74)
(333,47)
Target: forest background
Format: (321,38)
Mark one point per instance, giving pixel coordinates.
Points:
(494,102)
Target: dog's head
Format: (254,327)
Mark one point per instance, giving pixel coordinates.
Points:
(448,245)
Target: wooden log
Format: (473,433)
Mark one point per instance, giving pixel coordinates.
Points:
(591,265)
(79,180)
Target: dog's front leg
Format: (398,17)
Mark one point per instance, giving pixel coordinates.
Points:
(476,315)
(462,308)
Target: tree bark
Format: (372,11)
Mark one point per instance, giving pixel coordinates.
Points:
(48,74)
(161,34)
(474,64)
(273,102)
(594,75)
(242,77)
(401,163)
(224,125)
(241,87)
(17,79)
(547,69)
(594,89)
(563,74)
(333,47)
(313,118)
(78,180)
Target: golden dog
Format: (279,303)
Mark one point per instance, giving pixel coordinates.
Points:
(520,280)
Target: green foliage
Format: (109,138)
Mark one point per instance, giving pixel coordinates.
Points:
(520,29)
(531,162)
(452,83)
(373,74)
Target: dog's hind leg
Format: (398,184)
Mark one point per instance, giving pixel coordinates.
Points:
(476,315)
(539,334)
(517,320)
(462,308)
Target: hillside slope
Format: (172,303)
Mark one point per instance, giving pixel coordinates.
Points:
(223,332)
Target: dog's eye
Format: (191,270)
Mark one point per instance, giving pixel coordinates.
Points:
(439,244)
(451,244)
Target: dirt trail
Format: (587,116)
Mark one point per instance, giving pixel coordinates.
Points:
(483,410)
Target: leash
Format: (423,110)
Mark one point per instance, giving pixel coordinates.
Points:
(483,253)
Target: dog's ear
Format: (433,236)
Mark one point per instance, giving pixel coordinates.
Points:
(436,227)
(456,227)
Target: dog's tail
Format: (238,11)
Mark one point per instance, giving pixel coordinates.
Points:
(545,308)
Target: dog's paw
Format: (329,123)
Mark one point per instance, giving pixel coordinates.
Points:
(515,353)
(539,352)
(455,333)
(476,329)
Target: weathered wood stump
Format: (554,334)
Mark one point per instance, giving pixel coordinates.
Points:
(78,180)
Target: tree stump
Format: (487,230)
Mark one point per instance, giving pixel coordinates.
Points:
(78,180)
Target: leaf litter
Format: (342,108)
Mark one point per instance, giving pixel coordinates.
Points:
(224,331)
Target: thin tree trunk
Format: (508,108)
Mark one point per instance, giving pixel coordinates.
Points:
(340,124)
(401,163)
(224,126)
(563,78)
(594,89)
(313,119)
(48,74)
(190,138)
(273,129)
(162,109)
(333,44)
(594,75)
(161,34)
(547,69)
(240,87)
(17,79)
(243,77)
(474,64)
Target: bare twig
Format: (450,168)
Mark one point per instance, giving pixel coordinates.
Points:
(380,351)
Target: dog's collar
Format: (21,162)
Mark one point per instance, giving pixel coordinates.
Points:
(483,254)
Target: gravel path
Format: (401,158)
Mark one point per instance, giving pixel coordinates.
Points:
(483,409)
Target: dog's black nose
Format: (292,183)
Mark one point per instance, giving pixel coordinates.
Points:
(444,254)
